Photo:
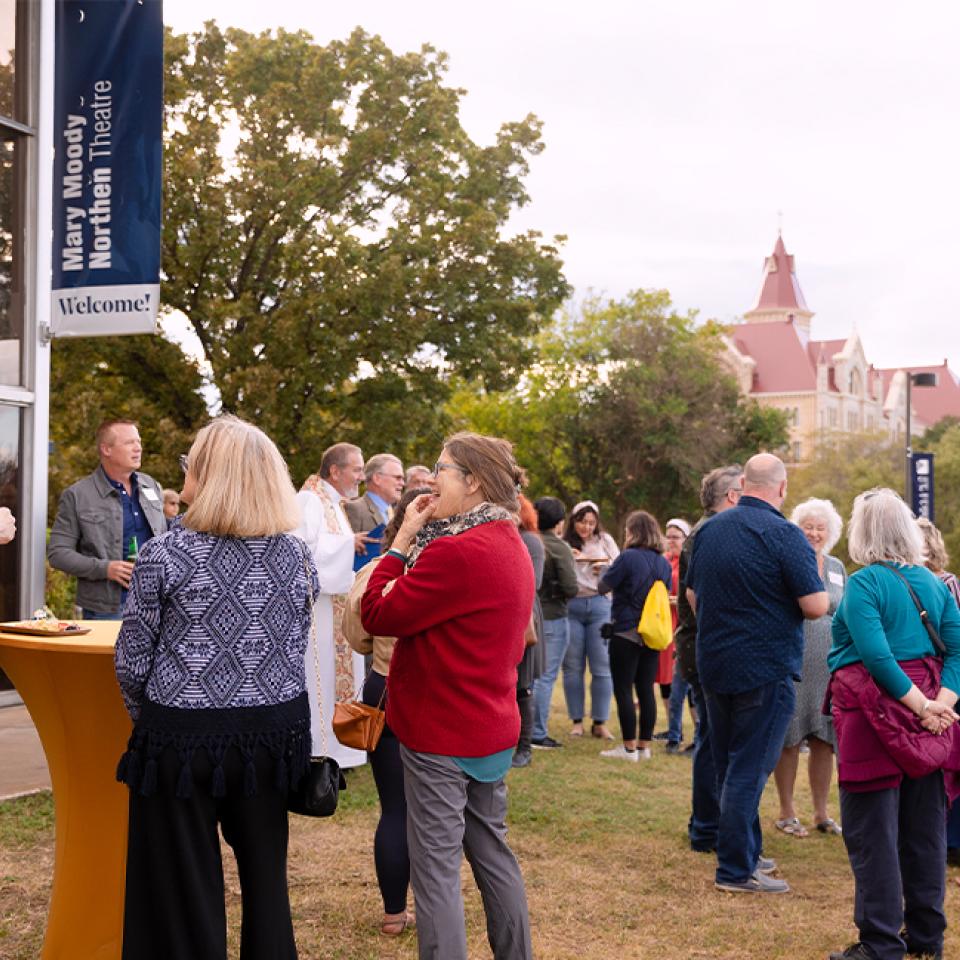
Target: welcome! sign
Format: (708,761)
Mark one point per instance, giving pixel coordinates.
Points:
(108,116)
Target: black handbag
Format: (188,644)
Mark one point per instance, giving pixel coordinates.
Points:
(318,791)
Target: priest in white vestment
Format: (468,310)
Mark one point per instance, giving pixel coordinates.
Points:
(325,529)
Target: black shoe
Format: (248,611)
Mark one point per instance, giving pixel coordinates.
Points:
(521,758)
(689,748)
(662,736)
(673,746)
(547,743)
(856,951)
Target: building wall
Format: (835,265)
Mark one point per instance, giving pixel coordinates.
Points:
(26,119)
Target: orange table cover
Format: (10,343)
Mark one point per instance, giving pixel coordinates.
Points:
(69,687)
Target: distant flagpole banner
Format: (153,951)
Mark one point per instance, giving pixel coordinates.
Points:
(108,129)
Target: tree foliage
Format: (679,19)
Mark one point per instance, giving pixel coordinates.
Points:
(852,463)
(337,241)
(145,379)
(842,468)
(629,404)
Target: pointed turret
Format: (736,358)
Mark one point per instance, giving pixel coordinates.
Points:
(780,296)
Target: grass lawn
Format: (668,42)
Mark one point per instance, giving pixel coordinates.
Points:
(602,845)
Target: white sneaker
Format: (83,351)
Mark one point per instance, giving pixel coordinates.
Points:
(622,753)
(644,753)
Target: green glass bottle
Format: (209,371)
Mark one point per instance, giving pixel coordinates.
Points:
(132,550)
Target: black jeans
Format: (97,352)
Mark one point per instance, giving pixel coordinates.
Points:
(897,844)
(633,666)
(175,899)
(390,856)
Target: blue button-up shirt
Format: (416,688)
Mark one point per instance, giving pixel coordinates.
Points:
(748,567)
(134,522)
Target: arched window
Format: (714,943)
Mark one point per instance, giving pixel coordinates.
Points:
(856,383)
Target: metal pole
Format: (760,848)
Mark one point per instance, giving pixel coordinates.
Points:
(908,472)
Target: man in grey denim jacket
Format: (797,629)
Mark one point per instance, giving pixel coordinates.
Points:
(105,518)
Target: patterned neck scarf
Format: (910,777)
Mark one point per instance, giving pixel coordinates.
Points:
(451,526)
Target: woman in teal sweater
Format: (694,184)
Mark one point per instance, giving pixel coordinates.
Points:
(894,826)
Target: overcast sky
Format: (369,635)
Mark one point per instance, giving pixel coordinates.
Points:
(675,132)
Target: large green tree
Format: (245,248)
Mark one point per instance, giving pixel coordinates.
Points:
(145,379)
(629,404)
(338,242)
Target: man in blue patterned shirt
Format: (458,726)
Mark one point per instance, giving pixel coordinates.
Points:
(752,580)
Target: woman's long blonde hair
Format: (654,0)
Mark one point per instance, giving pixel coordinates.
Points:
(243,486)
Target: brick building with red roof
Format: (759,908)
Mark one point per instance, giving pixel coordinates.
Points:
(825,386)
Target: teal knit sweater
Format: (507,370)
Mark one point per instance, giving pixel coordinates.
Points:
(877,624)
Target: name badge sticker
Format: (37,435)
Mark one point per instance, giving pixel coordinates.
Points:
(152,495)
(836,578)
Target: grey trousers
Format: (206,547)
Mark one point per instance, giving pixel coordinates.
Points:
(449,814)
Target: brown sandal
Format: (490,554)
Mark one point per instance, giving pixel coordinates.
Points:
(393,925)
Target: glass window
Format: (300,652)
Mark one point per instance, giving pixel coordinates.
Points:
(11,259)
(9,497)
(8,44)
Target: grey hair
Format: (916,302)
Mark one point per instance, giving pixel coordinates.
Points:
(821,510)
(415,467)
(883,528)
(377,462)
(717,483)
(337,456)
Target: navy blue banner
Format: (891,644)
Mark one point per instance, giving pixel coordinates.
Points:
(108,129)
(921,474)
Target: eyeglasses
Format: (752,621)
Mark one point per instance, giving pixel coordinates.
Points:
(440,465)
(184,462)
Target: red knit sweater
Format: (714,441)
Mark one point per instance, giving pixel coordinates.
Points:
(459,614)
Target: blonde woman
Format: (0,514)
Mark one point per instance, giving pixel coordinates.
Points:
(822,526)
(936,558)
(210,661)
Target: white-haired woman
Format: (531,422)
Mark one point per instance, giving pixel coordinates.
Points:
(821,525)
(210,661)
(892,700)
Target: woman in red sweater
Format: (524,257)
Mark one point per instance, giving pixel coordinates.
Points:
(457,588)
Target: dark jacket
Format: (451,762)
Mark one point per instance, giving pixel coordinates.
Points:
(685,636)
(559,577)
(630,577)
(532,664)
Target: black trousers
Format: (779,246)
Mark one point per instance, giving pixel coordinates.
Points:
(175,897)
(897,844)
(633,666)
(390,856)
(527,705)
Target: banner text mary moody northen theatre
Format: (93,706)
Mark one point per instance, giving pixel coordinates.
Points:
(107,167)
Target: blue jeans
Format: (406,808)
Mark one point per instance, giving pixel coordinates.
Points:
(747,731)
(94,615)
(586,615)
(556,634)
(897,845)
(705,807)
(678,693)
